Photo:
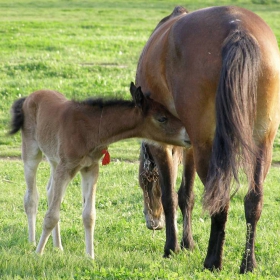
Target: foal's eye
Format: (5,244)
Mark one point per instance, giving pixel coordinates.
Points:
(162,119)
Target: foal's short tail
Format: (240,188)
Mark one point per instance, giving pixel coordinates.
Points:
(17,116)
(236,101)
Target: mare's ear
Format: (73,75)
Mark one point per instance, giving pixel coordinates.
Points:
(137,95)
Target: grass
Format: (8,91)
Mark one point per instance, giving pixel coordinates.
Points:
(124,248)
(91,48)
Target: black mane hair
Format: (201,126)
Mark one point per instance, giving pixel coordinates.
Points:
(103,102)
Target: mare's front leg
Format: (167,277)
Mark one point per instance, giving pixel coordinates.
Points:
(89,180)
(61,178)
(167,171)
(253,204)
(186,198)
(31,156)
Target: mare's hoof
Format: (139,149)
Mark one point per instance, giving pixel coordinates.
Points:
(248,264)
(168,253)
(213,266)
(166,256)
(246,268)
(188,245)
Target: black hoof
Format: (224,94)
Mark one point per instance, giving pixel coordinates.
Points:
(246,268)
(212,266)
(187,245)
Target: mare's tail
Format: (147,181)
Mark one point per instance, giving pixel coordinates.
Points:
(17,116)
(236,104)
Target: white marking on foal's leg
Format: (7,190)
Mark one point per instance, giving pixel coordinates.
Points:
(56,237)
(89,180)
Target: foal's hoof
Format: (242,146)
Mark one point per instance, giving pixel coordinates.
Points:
(32,242)
(90,257)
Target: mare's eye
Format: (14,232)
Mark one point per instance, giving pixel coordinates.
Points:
(162,119)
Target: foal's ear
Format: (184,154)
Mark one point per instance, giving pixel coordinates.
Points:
(137,95)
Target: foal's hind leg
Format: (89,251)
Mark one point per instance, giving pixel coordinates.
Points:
(89,180)
(253,204)
(56,231)
(186,198)
(61,178)
(31,156)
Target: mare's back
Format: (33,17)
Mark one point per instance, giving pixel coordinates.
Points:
(187,49)
(195,46)
(181,63)
(196,39)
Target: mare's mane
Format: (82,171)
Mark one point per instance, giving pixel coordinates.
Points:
(178,10)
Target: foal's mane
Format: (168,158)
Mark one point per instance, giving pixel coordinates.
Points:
(101,103)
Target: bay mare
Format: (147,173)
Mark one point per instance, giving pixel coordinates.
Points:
(73,136)
(218,70)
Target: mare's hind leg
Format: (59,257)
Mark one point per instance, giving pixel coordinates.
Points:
(214,255)
(186,198)
(31,156)
(61,178)
(89,180)
(216,241)
(253,204)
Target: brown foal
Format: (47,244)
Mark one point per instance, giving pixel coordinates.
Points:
(73,135)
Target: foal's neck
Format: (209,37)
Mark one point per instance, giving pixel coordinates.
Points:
(117,123)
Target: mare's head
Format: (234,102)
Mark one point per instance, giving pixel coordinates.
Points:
(153,209)
(149,174)
(158,124)
(149,183)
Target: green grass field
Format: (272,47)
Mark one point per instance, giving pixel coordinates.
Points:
(91,48)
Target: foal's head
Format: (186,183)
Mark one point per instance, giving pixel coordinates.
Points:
(158,123)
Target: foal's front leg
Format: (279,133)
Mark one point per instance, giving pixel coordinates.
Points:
(89,180)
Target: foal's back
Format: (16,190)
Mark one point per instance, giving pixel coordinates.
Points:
(43,110)
(40,106)
(60,128)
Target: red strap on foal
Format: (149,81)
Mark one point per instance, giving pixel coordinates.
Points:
(106,158)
